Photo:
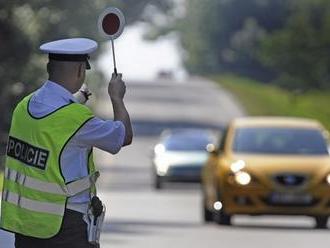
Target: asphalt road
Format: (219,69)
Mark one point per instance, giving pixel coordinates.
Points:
(139,216)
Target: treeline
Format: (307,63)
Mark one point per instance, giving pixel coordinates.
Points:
(280,41)
(24,25)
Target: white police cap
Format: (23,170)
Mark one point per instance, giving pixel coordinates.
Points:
(75,49)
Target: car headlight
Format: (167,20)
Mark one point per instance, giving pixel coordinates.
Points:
(159,149)
(162,167)
(328,179)
(242,178)
(237,166)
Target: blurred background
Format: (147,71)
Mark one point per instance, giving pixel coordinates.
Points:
(188,64)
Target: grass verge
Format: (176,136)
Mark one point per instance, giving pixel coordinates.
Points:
(263,99)
(1,172)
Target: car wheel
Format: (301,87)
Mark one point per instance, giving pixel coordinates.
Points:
(158,182)
(222,218)
(207,214)
(321,222)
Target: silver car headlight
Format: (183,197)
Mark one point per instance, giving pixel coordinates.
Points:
(159,149)
(242,178)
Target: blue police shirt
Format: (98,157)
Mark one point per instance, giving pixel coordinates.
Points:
(106,135)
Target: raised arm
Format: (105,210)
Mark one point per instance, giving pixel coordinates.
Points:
(116,91)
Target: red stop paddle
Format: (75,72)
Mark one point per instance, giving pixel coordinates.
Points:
(111,25)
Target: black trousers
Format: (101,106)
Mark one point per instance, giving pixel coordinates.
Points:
(73,234)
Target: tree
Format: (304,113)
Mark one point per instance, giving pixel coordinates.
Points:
(299,51)
(224,36)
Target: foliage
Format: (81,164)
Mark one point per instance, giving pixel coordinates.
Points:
(262,99)
(283,41)
(224,35)
(299,51)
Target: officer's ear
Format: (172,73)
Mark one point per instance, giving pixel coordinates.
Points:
(80,70)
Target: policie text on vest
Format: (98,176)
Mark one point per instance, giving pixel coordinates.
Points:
(26,153)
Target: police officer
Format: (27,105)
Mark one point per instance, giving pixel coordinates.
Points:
(50,175)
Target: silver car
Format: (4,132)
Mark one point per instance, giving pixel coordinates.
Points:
(180,155)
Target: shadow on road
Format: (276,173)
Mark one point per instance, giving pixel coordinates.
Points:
(147,186)
(115,177)
(123,169)
(271,222)
(257,227)
(144,227)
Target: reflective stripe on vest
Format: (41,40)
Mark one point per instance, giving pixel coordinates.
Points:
(69,190)
(33,205)
(82,184)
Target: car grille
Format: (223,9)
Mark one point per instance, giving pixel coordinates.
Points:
(290,180)
(310,203)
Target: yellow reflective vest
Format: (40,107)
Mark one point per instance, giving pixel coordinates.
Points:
(34,191)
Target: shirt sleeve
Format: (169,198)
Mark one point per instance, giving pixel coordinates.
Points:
(106,135)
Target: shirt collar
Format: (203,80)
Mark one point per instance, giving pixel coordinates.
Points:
(59,91)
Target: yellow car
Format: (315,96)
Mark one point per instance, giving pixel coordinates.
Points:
(268,165)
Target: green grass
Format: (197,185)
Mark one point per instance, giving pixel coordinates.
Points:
(262,99)
(1,171)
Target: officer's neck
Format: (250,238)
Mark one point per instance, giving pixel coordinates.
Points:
(66,83)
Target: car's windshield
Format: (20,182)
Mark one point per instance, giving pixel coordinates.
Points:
(279,141)
(186,143)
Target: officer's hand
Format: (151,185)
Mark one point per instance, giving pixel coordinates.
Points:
(117,87)
(83,95)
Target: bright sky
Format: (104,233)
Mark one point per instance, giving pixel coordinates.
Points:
(138,59)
